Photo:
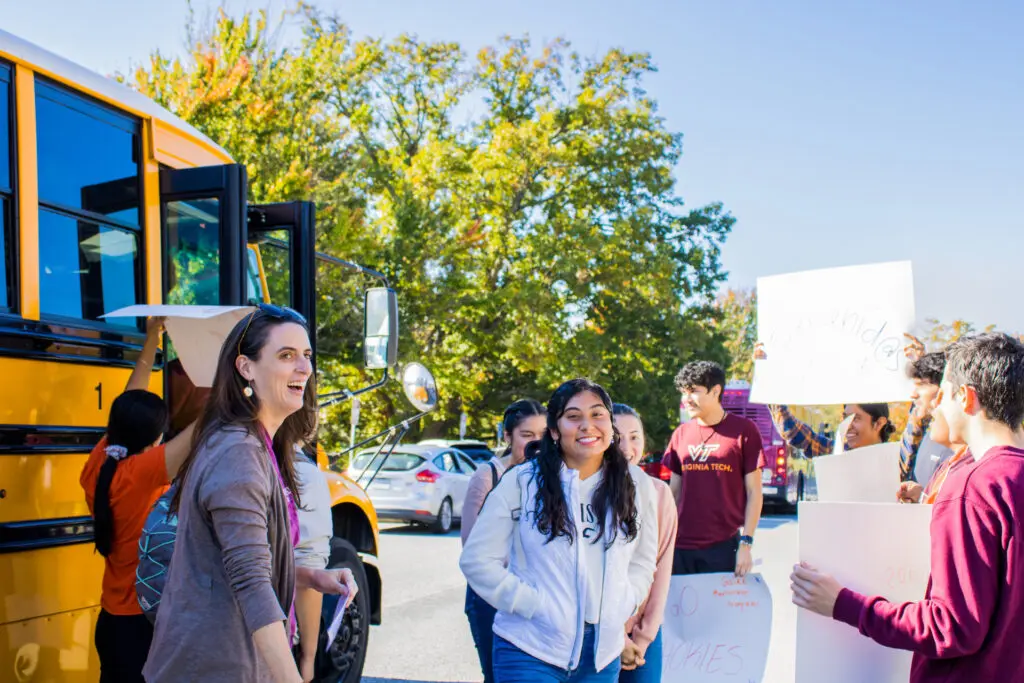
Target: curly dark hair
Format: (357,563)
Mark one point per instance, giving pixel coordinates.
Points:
(701,373)
(928,368)
(616,492)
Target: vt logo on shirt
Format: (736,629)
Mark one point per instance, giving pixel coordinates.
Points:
(701,452)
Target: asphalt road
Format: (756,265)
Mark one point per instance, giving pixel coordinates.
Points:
(425,636)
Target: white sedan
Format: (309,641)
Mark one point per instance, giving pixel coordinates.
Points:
(419,484)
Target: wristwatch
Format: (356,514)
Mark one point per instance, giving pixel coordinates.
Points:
(747,540)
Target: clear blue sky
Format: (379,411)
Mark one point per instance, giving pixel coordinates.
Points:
(837,133)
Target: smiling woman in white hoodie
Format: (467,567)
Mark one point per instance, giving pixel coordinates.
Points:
(565,548)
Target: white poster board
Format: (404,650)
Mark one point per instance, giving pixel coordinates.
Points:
(874,549)
(834,336)
(717,628)
(863,475)
(198,332)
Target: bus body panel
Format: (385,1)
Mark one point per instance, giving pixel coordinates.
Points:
(58,647)
(49,581)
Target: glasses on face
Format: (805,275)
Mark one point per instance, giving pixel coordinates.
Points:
(274,312)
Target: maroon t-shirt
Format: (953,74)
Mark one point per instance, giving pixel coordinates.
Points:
(712,462)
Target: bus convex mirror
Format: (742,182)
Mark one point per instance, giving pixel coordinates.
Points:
(419,387)
(380,331)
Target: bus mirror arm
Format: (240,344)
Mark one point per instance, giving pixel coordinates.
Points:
(400,429)
(335,397)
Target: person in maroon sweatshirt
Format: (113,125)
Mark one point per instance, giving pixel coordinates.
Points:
(970,626)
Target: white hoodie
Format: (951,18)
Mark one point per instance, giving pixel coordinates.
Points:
(539,588)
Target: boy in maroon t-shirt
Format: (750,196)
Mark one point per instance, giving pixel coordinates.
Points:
(970,625)
(716,462)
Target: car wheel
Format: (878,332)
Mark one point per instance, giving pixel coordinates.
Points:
(343,661)
(445,517)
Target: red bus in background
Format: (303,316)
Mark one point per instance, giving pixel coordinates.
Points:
(775,475)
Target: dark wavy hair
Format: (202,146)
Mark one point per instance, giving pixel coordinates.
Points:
(928,368)
(137,419)
(616,494)
(993,364)
(229,406)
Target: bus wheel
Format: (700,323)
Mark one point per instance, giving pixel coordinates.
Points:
(343,662)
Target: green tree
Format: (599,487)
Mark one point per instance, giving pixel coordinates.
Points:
(736,322)
(537,238)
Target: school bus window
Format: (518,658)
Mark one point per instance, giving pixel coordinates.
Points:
(6,192)
(86,269)
(275,254)
(88,157)
(193,247)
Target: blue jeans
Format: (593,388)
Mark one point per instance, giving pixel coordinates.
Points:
(512,665)
(481,623)
(650,672)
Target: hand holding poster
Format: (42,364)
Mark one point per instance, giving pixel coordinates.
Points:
(834,336)
(717,628)
(855,543)
(197,333)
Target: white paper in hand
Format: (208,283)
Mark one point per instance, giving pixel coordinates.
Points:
(198,332)
(335,625)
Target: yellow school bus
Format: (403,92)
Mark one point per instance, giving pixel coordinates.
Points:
(108,200)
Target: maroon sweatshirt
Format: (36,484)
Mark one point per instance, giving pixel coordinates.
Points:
(970,626)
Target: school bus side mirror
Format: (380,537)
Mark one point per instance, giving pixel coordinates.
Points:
(380,331)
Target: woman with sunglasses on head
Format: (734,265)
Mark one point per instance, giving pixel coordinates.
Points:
(642,657)
(565,548)
(226,612)
(522,423)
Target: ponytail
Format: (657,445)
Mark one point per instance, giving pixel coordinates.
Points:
(137,419)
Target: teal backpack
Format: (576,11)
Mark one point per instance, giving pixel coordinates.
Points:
(156,546)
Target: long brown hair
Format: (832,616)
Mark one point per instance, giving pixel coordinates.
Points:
(229,406)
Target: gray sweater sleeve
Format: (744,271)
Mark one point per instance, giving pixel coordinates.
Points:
(236,495)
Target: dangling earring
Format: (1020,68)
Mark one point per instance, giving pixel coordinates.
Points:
(247,391)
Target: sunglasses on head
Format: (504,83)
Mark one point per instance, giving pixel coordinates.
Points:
(274,312)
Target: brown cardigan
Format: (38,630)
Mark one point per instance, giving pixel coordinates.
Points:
(232,571)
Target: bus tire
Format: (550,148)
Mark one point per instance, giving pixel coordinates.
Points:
(343,662)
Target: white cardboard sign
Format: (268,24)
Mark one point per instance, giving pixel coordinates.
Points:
(717,628)
(834,336)
(198,332)
(874,549)
(863,475)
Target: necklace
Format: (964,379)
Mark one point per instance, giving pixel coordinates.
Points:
(713,430)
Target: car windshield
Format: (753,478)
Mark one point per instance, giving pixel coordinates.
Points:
(478,453)
(397,462)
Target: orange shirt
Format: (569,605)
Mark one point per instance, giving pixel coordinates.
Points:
(931,491)
(140,479)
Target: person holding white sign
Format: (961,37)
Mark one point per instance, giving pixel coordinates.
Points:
(969,627)
(715,460)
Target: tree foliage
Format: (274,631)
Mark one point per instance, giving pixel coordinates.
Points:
(521,200)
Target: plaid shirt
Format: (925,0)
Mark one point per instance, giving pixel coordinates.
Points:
(913,435)
(799,434)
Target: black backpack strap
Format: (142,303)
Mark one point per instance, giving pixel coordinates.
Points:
(494,474)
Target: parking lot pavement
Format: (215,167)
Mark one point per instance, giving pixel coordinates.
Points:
(425,636)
